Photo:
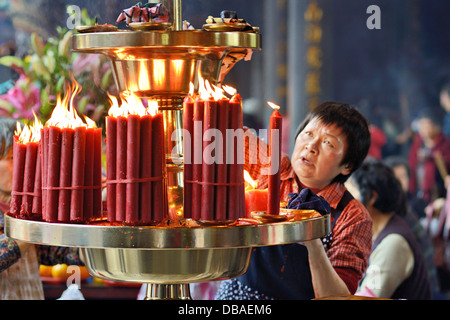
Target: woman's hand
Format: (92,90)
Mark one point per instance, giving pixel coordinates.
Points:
(326,281)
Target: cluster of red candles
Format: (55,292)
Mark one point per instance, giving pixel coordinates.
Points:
(213,190)
(71,167)
(26,195)
(135,161)
(57,168)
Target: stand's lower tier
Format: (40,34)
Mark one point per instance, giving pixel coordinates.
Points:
(166,255)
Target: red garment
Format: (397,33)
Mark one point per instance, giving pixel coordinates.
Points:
(377,141)
(431,177)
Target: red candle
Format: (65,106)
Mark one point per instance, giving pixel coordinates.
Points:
(208,167)
(197,143)
(88,199)
(29,177)
(65,174)
(37,200)
(255,200)
(121,168)
(221,166)
(274,181)
(19,154)
(188,126)
(44,170)
(158,187)
(77,194)
(97,176)
(54,154)
(236,201)
(132,154)
(111,152)
(145,191)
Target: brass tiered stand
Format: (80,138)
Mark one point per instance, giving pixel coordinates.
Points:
(167,258)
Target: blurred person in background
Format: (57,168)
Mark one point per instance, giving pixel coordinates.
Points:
(415,217)
(429,158)
(397,268)
(445,104)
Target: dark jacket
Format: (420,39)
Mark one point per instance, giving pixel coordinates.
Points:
(417,286)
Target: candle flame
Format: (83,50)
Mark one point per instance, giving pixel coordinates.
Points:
(64,114)
(29,133)
(191,89)
(206,90)
(230,90)
(273,105)
(152,107)
(131,105)
(250,183)
(90,123)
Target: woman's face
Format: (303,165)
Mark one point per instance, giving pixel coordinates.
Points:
(318,154)
(428,130)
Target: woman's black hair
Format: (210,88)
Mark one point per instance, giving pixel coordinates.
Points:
(354,126)
(374,175)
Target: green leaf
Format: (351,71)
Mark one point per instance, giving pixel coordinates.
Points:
(4,104)
(37,44)
(10,61)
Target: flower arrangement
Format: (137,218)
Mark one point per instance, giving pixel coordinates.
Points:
(45,71)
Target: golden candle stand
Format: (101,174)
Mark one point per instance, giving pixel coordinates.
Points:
(161,64)
(167,258)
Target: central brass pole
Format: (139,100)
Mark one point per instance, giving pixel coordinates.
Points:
(168,292)
(177,15)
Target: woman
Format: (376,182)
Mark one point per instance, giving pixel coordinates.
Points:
(429,147)
(331,143)
(397,268)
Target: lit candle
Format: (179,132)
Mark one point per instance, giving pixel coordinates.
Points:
(159,194)
(135,158)
(121,168)
(88,200)
(255,199)
(111,143)
(274,180)
(214,188)
(197,158)
(188,126)
(54,160)
(145,190)
(65,174)
(68,164)
(19,154)
(133,146)
(26,174)
(28,179)
(236,196)
(97,182)
(78,168)
(37,200)
(208,169)
(222,167)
